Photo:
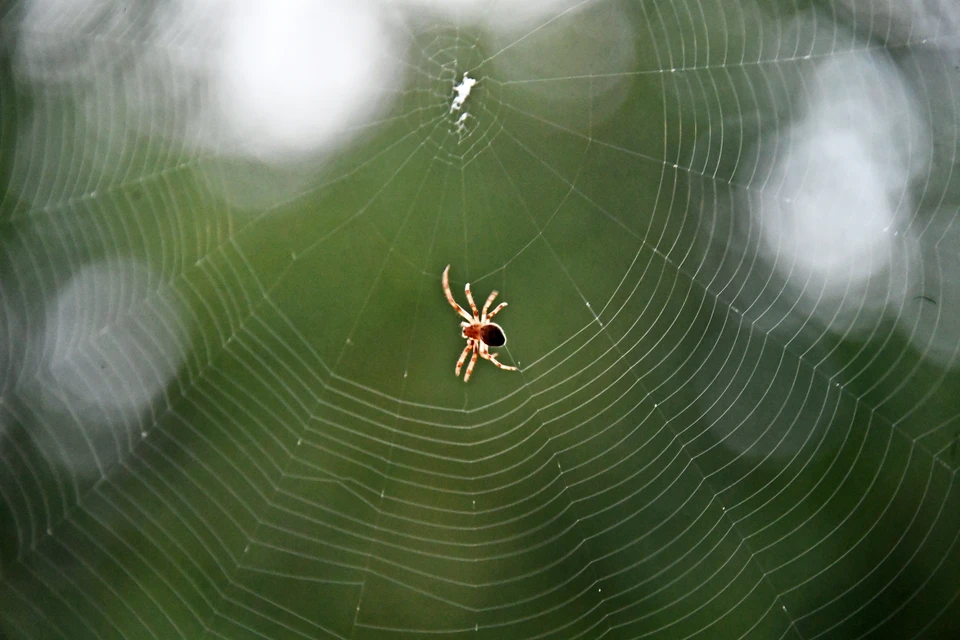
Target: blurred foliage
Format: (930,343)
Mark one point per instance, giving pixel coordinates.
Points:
(665,463)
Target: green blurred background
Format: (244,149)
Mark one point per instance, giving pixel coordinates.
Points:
(669,461)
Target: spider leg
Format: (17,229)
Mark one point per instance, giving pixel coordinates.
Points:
(463,357)
(486,305)
(473,361)
(449,294)
(505,367)
(473,305)
(497,310)
(492,357)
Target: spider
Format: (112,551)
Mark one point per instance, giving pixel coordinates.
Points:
(481,334)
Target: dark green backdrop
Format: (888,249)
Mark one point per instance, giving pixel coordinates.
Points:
(669,462)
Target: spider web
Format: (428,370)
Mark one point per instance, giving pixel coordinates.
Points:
(227,416)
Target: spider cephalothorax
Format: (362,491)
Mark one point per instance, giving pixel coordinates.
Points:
(480,333)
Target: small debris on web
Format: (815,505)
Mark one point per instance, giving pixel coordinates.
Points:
(463,92)
(462,125)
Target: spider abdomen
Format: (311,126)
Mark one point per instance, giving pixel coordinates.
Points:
(492,335)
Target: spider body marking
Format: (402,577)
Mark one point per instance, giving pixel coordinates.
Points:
(478,330)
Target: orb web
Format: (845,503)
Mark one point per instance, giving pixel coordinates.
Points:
(727,235)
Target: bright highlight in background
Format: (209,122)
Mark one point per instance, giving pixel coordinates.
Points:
(110,346)
(277,81)
(834,213)
(298,76)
